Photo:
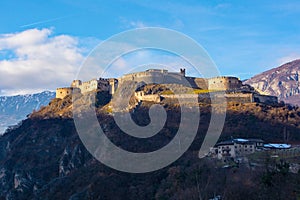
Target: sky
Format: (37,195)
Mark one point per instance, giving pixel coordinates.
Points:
(44,43)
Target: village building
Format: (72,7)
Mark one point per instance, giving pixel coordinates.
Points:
(239,147)
(236,147)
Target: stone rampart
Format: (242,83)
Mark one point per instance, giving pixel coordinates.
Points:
(224,83)
(62,92)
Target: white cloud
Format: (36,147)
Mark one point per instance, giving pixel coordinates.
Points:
(41,60)
(128,24)
(137,24)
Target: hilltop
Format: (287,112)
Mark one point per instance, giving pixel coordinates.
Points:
(44,158)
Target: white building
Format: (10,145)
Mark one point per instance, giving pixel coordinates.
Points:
(237,147)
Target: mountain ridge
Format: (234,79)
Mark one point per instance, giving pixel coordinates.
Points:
(282,81)
(13,109)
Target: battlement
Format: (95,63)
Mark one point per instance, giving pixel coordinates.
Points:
(233,86)
(151,75)
(102,84)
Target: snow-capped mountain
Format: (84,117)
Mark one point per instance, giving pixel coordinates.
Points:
(282,82)
(15,108)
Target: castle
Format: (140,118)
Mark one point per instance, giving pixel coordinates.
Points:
(234,89)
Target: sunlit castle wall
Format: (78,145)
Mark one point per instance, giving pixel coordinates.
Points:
(153,76)
(88,86)
(224,83)
(63,92)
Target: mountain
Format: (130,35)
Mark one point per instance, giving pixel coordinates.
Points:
(282,82)
(44,158)
(13,109)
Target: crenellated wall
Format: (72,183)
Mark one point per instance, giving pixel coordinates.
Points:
(153,76)
(102,84)
(88,86)
(235,90)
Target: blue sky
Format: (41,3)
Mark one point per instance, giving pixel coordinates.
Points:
(38,39)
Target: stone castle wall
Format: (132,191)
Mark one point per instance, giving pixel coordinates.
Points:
(62,92)
(265,99)
(153,76)
(199,83)
(228,84)
(102,84)
(88,86)
(230,97)
(215,84)
(224,83)
(149,97)
(240,97)
(113,85)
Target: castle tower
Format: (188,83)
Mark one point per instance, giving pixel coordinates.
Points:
(76,83)
(224,83)
(182,71)
(63,92)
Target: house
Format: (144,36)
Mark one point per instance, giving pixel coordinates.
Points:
(237,147)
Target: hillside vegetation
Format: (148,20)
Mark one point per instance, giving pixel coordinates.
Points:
(44,158)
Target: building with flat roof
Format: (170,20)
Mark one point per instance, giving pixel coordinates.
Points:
(237,147)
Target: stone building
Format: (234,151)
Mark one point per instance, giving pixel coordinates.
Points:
(62,92)
(237,147)
(140,95)
(233,87)
(154,76)
(102,84)
(224,83)
(113,85)
(89,85)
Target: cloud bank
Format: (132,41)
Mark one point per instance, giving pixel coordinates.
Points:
(36,59)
